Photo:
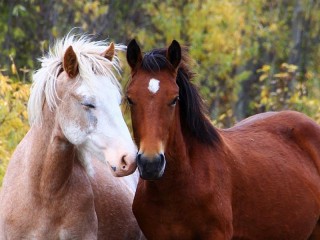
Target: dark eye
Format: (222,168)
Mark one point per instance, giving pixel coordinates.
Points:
(174,101)
(88,105)
(129,101)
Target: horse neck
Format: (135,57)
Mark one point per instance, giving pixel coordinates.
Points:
(52,157)
(178,149)
(184,151)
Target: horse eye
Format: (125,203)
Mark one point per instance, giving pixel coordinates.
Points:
(88,105)
(129,101)
(174,102)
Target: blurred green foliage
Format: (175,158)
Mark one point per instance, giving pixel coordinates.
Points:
(13,117)
(249,56)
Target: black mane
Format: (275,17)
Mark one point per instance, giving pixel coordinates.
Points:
(192,108)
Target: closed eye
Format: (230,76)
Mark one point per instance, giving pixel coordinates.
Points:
(88,105)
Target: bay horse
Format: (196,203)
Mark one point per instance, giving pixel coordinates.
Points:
(58,185)
(257,180)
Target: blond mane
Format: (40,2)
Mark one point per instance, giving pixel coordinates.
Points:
(90,61)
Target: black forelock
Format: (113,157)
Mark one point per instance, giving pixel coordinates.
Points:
(156,60)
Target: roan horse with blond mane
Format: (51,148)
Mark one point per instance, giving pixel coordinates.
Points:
(56,185)
(257,180)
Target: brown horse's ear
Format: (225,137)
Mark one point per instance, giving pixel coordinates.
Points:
(174,54)
(134,55)
(109,52)
(70,63)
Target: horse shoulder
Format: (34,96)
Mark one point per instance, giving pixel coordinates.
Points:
(43,214)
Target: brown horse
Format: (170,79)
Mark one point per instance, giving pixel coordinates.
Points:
(257,180)
(57,185)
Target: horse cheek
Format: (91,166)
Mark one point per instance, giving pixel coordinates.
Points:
(74,123)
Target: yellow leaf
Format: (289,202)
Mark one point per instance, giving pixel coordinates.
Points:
(222,116)
(281,75)
(266,68)
(13,69)
(264,100)
(264,93)
(273,27)
(263,77)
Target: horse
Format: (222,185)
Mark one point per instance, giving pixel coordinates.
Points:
(60,181)
(256,180)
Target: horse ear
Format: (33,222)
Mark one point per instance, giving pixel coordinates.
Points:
(109,52)
(174,54)
(134,55)
(70,63)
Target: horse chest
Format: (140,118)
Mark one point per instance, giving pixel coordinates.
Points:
(173,218)
(57,218)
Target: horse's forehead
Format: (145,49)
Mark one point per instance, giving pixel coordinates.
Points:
(153,82)
(64,84)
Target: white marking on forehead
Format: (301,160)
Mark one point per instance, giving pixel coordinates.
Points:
(154,85)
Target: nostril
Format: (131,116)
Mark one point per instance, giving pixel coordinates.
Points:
(138,157)
(162,158)
(124,164)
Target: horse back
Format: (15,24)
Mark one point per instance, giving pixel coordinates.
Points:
(274,161)
(291,130)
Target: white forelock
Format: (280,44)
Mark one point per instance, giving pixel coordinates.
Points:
(90,62)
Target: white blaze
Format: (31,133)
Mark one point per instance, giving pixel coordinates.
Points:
(153,85)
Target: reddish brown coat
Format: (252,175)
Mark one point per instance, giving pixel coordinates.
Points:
(257,180)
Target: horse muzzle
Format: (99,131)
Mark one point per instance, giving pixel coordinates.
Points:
(151,168)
